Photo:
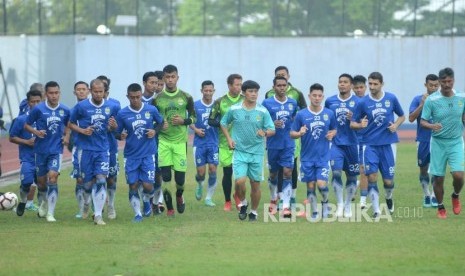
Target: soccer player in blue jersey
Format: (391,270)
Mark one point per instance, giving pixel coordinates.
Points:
(205,143)
(443,114)
(50,119)
(113,168)
(251,124)
(138,121)
(423,139)
(150,82)
(360,88)
(25,140)
(23,105)
(375,112)
(280,146)
(92,119)
(344,149)
(316,127)
(81,91)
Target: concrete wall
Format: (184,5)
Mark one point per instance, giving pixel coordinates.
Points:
(404,62)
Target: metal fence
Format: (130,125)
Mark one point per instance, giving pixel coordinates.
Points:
(234,17)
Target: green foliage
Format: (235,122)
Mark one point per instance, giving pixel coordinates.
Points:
(210,241)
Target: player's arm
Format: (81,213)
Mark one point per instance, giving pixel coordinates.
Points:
(213,118)
(298,129)
(268,126)
(225,121)
(14,135)
(191,115)
(416,108)
(400,117)
(302,103)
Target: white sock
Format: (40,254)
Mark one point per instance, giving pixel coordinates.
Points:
(244,202)
(313,204)
(29,203)
(287,192)
(339,192)
(294,193)
(80,198)
(374,196)
(99,196)
(111,197)
(22,195)
(350,192)
(160,197)
(135,204)
(210,191)
(273,190)
(52,197)
(425,186)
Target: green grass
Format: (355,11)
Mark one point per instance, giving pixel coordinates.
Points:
(209,241)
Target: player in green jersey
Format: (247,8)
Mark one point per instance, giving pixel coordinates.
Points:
(293,93)
(219,109)
(445,109)
(177,108)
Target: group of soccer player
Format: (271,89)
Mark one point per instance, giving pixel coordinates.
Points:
(350,132)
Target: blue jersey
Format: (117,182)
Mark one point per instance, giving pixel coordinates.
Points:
(245,125)
(380,115)
(54,121)
(342,110)
(23,107)
(284,111)
(423,134)
(26,153)
(147,100)
(115,106)
(315,146)
(136,123)
(88,114)
(202,112)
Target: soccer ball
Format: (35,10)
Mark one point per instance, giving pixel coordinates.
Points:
(8,201)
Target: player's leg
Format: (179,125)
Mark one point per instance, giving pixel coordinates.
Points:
(146,175)
(212,160)
(371,161)
(53,166)
(255,175)
(131,169)
(41,172)
(76,174)
(30,206)
(226,162)
(286,161)
(200,164)
(101,162)
(295,172)
(27,176)
(273,178)
(456,163)
(363,180)
(422,154)
(180,167)
(387,167)
(437,169)
(308,172)
(165,161)
(337,163)
(240,168)
(352,170)
(157,200)
(322,176)
(112,179)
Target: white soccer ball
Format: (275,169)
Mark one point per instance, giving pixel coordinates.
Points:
(8,201)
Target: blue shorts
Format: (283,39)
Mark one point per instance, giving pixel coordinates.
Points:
(46,163)
(247,165)
(444,151)
(93,163)
(379,158)
(280,158)
(27,173)
(313,171)
(345,158)
(113,168)
(76,172)
(205,155)
(140,170)
(423,155)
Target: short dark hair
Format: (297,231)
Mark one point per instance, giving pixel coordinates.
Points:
(232,77)
(51,84)
(431,77)
(33,93)
(147,75)
(446,72)
(207,82)
(281,67)
(170,69)
(278,78)
(106,82)
(316,86)
(249,84)
(345,75)
(376,76)
(81,82)
(134,87)
(159,74)
(359,79)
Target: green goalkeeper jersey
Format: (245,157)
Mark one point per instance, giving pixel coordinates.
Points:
(220,107)
(175,103)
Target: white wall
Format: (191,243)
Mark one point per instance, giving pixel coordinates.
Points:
(404,62)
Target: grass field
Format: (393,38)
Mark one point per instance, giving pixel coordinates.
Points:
(209,241)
